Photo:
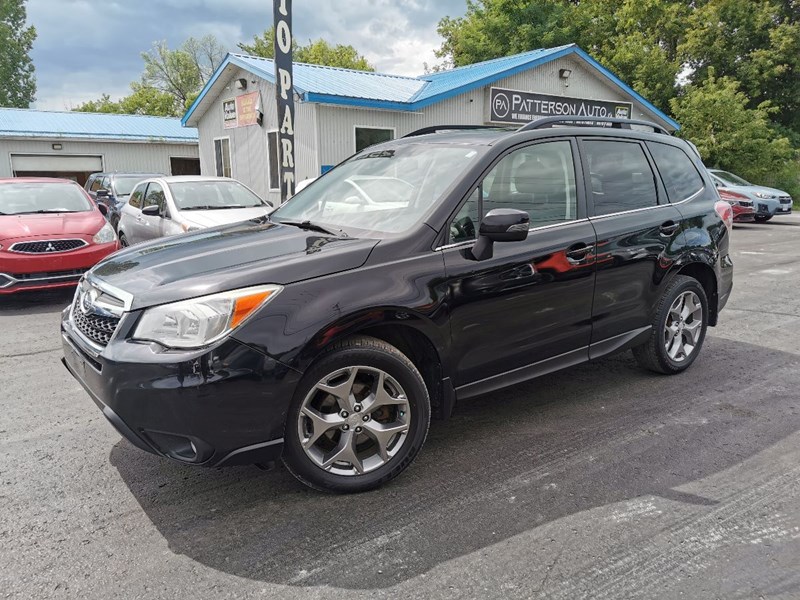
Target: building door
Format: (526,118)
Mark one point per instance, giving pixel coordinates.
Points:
(75,167)
(180,165)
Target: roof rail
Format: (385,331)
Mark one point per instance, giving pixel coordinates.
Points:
(580,121)
(438,128)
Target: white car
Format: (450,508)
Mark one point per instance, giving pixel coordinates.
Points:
(163,206)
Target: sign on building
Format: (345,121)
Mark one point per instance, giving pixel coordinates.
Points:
(229,113)
(515,106)
(284,94)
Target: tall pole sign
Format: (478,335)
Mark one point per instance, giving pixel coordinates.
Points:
(284,85)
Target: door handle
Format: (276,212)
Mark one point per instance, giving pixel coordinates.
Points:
(669,227)
(578,252)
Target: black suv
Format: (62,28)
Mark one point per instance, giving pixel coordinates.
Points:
(113,191)
(420,271)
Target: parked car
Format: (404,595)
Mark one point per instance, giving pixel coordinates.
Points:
(767,202)
(743,211)
(50,234)
(329,336)
(113,190)
(173,205)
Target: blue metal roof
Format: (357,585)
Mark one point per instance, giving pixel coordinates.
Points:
(17,122)
(366,89)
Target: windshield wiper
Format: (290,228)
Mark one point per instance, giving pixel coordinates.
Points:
(44,211)
(309,226)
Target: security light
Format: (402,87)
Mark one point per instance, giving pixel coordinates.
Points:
(564,73)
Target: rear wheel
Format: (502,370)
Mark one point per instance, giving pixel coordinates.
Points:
(763,218)
(679,328)
(358,418)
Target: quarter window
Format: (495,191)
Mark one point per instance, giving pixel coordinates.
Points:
(622,179)
(368,136)
(677,171)
(222,157)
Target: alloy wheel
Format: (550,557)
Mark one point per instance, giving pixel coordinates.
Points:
(354,420)
(683,327)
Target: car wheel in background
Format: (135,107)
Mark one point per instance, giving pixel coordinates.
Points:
(679,325)
(359,417)
(123,241)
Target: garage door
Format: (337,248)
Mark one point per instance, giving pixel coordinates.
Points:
(77,168)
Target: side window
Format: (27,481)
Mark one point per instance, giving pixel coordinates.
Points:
(622,179)
(155,196)
(464,225)
(136,197)
(677,171)
(96,183)
(106,185)
(538,179)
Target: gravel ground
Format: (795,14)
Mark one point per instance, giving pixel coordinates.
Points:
(603,482)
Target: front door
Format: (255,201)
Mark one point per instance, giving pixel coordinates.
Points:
(151,226)
(530,304)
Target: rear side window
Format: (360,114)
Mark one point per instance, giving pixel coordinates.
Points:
(677,171)
(621,176)
(96,183)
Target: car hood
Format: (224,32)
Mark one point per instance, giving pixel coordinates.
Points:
(226,258)
(57,224)
(751,190)
(212,218)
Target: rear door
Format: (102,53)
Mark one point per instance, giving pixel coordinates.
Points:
(637,230)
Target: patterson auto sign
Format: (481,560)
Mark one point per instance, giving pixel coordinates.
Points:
(513,106)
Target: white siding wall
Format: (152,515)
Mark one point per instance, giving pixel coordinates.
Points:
(144,157)
(249,150)
(337,124)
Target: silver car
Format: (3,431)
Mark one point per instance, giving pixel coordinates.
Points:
(767,202)
(163,206)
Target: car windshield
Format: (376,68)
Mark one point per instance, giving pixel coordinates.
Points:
(212,195)
(380,192)
(730,178)
(123,185)
(26,198)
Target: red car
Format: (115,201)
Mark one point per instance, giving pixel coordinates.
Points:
(50,234)
(743,210)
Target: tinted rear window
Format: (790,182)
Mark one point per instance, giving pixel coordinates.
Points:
(677,171)
(622,179)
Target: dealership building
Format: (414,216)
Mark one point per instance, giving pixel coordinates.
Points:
(73,145)
(340,111)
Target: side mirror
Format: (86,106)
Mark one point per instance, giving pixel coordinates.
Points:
(102,193)
(103,209)
(152,210)
(500,225)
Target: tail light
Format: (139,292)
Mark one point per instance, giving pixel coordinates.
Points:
(732,197)
(725,212)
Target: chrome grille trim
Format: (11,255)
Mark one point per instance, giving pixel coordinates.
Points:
(57,246)
(95,314)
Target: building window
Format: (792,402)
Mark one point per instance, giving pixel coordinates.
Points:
(222,156)
(368,136)
(274,170)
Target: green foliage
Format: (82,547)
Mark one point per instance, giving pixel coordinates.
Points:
(17,79)
(728,134)
(318,52)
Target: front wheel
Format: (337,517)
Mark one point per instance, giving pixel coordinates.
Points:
(763,218)
(123,241)
(679,327)
(359,417)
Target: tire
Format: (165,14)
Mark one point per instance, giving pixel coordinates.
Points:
(763,218)
(400,416)
(123,241)
(661,353)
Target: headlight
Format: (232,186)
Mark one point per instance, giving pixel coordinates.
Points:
(202,321)
(763,195)
(106,235)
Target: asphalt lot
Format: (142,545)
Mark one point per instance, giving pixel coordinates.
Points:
(606,482)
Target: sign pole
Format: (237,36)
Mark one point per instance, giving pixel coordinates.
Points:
(284,94)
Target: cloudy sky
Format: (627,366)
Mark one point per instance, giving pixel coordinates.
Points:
(89,47)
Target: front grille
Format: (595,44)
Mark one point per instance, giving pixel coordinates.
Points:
(34,279)
(785,199)
(97,328)
(47,246)
(745,203)
(50,275)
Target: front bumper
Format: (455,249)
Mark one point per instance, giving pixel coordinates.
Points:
(20,272)
(220,406)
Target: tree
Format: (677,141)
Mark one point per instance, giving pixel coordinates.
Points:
(17,79)
(716,117)
(319,52)
(142,101)
(183,72)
